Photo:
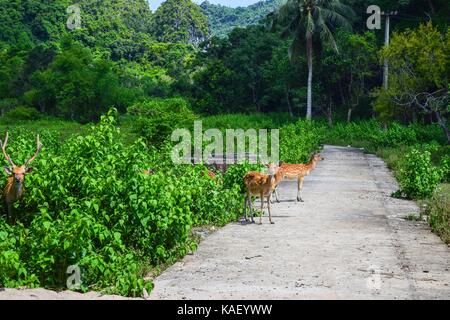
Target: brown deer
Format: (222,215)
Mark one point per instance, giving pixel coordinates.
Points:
(299,172)
(14,188)
(148,172)
(261,185)
(211,174)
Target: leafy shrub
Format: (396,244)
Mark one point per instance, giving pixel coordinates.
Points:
(157,118)
(22,113)
(445,167)
(417,176)
(397,135)
(358,134)
(372,136)
(88,204)
(438,210)
(299,140)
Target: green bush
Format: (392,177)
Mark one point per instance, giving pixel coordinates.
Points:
(299,140)
(397,135)
(157,118)
(417,176)
(88,204)
(22,113)
(445,167)
(438,210)
(373,136)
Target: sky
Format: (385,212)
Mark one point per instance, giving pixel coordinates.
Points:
(230,3)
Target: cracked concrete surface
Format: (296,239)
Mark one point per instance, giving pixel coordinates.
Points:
(348,240)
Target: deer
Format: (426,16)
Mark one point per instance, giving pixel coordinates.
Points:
(211,174)
(148,172)
(14,188)
(299,172)
(261,185)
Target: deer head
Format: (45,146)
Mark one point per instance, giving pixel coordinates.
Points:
(318,157)
(272,168)
(17,173)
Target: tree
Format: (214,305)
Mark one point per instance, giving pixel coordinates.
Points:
(310,21)
(223,19)
(347,74)
(76,85)
(420,69)
(180,21)
(245,72)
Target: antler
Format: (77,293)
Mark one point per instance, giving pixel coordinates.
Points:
(39,147)
(3,146)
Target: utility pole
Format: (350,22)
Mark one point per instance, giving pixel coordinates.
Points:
(386,43)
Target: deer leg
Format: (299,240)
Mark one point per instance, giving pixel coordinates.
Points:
(245,208)
(299,189)
(276,195)
(268,209)
(262,207)
(250,204)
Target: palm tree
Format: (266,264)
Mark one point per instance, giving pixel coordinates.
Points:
(312,19)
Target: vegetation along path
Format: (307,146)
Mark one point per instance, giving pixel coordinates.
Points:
(348,240)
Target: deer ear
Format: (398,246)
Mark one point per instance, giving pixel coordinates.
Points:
(8,170)
(29,170)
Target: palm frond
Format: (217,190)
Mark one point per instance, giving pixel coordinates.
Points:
(342,9)
(335,19)
(325,32)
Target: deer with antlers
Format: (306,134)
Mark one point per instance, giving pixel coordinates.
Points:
(299,172)
(262,185)
(14,188)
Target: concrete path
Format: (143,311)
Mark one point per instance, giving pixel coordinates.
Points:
(349,240)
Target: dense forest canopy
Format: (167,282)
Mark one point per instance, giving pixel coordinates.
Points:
(180,21)
(123,54)
(223,19)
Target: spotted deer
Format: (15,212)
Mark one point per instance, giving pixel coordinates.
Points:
(261,185)
(148,172)
(299,172)
(14,188)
